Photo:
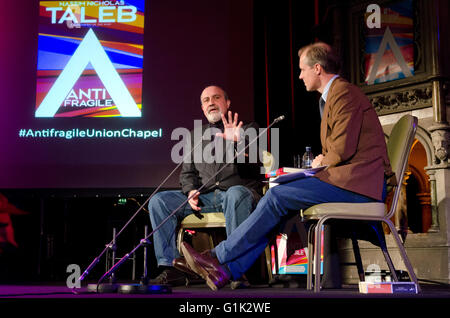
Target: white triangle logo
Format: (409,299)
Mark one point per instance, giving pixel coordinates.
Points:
(89,50)
(388,38)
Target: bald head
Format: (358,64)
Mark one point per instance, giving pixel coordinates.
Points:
(213,87)
(214,102)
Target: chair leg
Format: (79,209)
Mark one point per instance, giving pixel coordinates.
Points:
(317,254)
(358,260)
(309,274)
(386,255)
(179,240)
(403,254)
(268,262)
(211,241)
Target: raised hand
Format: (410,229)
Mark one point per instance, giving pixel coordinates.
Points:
(231,129)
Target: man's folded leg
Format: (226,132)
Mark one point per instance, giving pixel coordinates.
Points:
(236,254)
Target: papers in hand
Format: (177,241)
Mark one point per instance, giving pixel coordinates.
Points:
(302,173)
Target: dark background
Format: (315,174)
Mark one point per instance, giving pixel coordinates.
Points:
(247,47)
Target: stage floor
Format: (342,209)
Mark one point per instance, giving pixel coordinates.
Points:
(200,300)
(59,290)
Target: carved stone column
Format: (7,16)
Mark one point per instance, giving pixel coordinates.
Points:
(440,135)
(434,227)
(439,172)
(440,130)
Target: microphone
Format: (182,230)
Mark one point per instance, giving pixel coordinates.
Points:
(278,119)
(126,256)
(97,259)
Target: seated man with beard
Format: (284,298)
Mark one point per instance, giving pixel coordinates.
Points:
(234,191)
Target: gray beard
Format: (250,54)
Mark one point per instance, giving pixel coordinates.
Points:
(213,117)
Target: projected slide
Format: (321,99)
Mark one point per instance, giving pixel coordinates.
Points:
(91,95)
(90,59)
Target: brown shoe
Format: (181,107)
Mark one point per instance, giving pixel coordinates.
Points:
(180,264)
(207,267)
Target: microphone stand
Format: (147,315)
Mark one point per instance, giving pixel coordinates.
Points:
(97,259)
(127,256)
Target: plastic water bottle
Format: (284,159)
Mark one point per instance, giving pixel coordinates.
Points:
(307,158)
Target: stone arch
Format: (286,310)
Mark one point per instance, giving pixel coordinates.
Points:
(417,186)
(425,139)
(417,206)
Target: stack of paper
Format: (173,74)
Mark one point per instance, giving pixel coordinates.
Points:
(387,287)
